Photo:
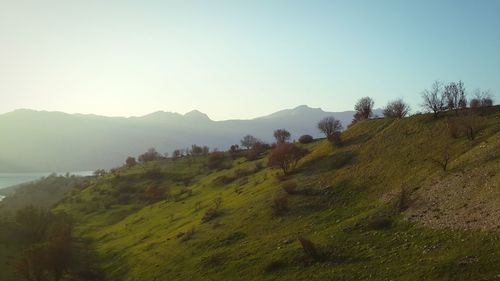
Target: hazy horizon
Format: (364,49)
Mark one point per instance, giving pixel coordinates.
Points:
(239,60)
(174,112)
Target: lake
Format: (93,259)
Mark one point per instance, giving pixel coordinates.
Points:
(10,179)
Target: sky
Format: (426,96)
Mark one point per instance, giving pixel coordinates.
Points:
(239,59)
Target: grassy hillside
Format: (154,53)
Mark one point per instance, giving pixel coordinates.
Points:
(42,193)
(377,207)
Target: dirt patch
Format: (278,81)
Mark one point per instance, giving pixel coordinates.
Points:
(468,200)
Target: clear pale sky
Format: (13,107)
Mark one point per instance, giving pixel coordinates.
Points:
(239,59)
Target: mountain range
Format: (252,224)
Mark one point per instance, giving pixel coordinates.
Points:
(42,141)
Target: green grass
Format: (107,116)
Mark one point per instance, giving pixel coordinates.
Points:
(346,205)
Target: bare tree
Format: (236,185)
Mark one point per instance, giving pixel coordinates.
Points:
(455,96)
(481,99)
(364,109)
(434,99)
(442,160)
(396,109)
(248,141)
(331,127)
(281,136)
(286,156)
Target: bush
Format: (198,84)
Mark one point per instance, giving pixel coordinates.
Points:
(150,155)
(289,187)
(130,162)
(153,174)
(213,212)
(224,180)
(309,248)
(216,160)
(396,109)
(280,205)
(274,266)
(210,214)
(305,139)
(378,223)
(154,194)
(404,200)
(286,156)
(187,235)
(256,151)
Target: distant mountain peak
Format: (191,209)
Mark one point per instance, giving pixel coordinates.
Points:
(298,110)
(196,114)
(305,108)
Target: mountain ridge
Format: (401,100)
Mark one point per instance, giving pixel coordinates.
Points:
(47,141)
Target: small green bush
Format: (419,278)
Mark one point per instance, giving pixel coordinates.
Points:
(305,139)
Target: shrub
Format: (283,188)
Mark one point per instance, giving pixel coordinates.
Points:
(188,235)
(224,180)
(214,211)
(235,151)
(289,187)
(396,109)
(280,205)
(442,160)
(256,151)
(209,215)
(274,266)
(309,248)
(154,194)
(258,166)
(286,156)
(304,139)
(404,199)
(153,174)
(183,194)
(216,160)
(150,155)
(130,162)
(379,223)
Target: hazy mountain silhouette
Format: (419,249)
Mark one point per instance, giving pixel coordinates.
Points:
(55,141)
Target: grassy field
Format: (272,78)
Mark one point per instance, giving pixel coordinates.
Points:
(377,207)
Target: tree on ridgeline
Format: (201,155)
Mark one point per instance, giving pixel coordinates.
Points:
(331,127)
(130,162)
(455,96)
(481,99)
(363,108)
(248,141)
(150,155)
(396,109)
(281,136)
(434,99)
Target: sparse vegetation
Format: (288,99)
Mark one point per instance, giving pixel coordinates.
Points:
(355,214)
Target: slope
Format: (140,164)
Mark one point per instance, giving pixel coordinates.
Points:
(378,207)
